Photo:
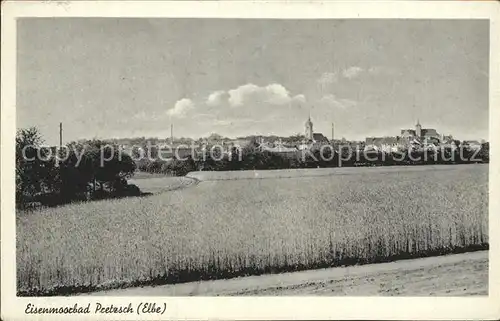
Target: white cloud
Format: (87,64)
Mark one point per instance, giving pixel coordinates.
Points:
(348,103)
(328,78)
(272,94)
(352,72)
(181,107)
(241,106)
(276,94)
(299,98)
(328,99)
(237,96)
(333,101)
(216,98)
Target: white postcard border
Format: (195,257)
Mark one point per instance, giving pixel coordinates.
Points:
(250,307)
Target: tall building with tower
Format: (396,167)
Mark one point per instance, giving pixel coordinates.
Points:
(309,129)
(420,133)
(311,136)
(409,137)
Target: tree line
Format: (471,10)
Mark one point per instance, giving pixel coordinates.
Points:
(254,158)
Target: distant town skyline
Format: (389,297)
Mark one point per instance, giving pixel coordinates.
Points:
(124,78)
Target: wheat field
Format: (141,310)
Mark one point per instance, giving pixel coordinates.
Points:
(222,229)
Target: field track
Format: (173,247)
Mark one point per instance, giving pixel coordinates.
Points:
(160,183)
(449,275)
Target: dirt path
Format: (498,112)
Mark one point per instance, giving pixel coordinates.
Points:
(159,184)
(450,275)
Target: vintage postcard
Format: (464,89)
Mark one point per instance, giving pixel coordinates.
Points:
(250,160)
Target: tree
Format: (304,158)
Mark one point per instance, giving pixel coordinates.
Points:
(77,173)
(138,153)
(214,137)
(296,139)
(35,166)
(252,144)
(110,165)
(484,152)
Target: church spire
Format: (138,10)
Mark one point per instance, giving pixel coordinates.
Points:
(418,129)
(309,127)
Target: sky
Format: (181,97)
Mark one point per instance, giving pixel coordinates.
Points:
(132,77)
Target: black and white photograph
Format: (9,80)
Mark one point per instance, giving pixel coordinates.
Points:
(261,157)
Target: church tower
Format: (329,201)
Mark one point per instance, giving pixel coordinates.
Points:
(309,129)
(418,129)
